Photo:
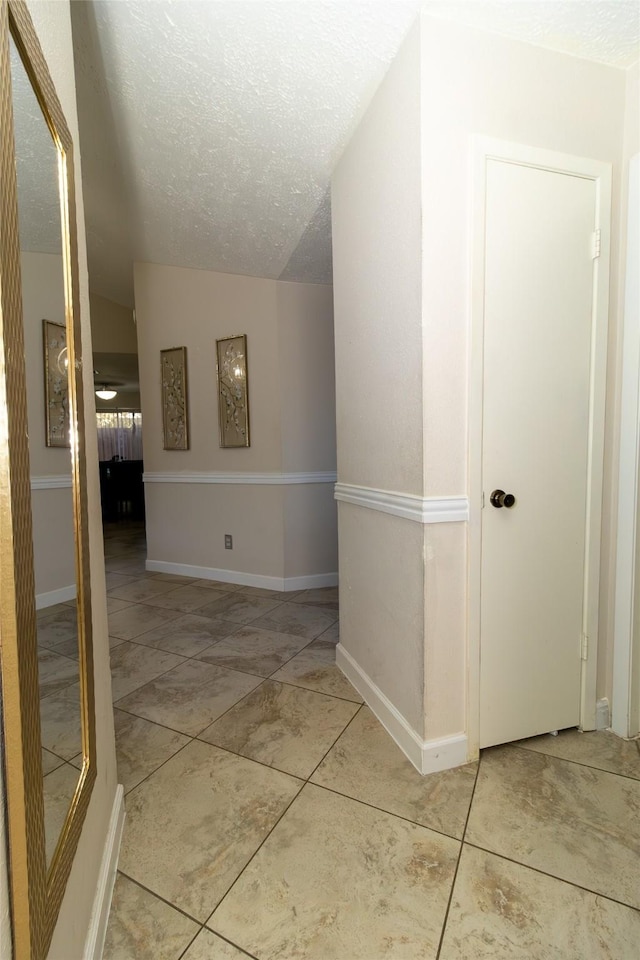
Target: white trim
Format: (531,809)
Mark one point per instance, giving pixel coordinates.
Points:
(483,149)
(405,505)
(427,756)
(603,715)
(217,476)
(51,482)
(625,720)
(51,597)
(287,584)
(94,944)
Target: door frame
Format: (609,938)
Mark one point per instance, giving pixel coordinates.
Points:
(484,149)
(625,713)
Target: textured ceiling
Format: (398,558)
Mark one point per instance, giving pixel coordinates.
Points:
(36,167)
(604,30)
(209,130)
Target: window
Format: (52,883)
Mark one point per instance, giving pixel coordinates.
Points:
(119,435)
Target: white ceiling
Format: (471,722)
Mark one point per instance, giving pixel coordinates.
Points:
(209,130)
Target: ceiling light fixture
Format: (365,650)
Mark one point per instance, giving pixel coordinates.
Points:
(105,393)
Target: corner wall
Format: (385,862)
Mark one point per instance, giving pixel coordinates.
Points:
(402,219)
(377,225)
(272,497)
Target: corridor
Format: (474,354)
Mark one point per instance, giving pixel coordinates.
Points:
(269,815)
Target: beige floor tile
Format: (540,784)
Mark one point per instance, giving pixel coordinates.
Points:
(338,879)
(218,586)
(114,579)
(126,566)
(55,672)
(504,911)
(133,665)
(46,612)
(254,651)
(130,623)
(57,627)
(114,605)
(58,790)
(189,635)
(297,619)
(367,765)
(141,590)
(238,608)
(60,722)
(141,747)
(283,726)
(50,762)
(211,811)
(186,598)
(191,697)
(67,648)
(576,823)
(332,635)
(324,597)
(267,594)
(315,668)
(173,578)
(599,748)
(141,927)
(209,946)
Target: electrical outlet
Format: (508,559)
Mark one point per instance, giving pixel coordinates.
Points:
(228,541)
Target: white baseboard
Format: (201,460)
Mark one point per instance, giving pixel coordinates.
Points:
(287,584)
(94,944)
(603,714)
(52,597)
(427,756)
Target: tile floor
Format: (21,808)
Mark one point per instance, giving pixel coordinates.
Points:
(270,816)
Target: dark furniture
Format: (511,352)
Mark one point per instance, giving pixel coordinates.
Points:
(121,490)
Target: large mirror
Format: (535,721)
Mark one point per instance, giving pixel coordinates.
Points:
(45,606)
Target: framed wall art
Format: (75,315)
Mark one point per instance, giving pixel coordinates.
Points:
(56,384)
(233,391)
(175,419)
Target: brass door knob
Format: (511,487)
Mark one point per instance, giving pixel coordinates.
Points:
(501,499)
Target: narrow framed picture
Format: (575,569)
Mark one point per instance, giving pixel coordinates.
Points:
(233,391)
(175,414)
(56,384)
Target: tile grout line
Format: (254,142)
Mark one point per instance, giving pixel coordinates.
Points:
(578,763)
(455,873)
(305,783)
(552,876)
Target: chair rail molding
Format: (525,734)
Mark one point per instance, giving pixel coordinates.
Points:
(272,479)
(453,509)
(51,482)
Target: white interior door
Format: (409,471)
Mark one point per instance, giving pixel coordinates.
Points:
(538,293)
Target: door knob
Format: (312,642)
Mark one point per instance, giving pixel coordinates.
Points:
(501,499)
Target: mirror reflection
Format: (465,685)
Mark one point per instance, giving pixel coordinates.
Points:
(43,298)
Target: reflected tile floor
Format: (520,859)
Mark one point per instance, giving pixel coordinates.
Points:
(270,815)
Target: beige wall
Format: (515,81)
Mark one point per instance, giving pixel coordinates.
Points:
(54,556)
(112,326)
(292,414)
(376,210)
(52,22)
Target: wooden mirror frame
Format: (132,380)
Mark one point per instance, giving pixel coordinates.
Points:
(36,889)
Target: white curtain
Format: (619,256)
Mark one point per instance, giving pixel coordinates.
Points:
(119,435)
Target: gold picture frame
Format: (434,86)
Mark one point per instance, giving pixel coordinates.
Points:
(233,391)
(56,384)
(175,413)
(37,887)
